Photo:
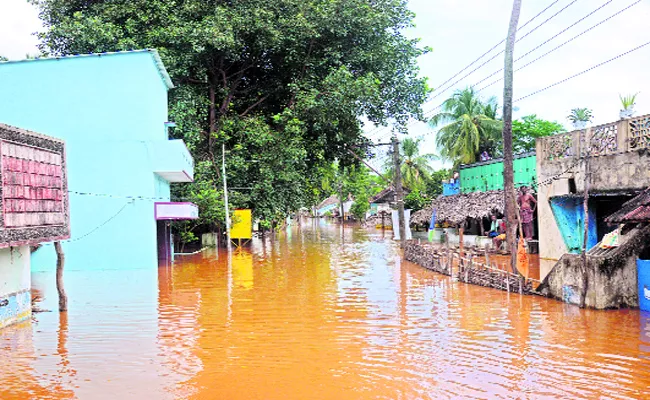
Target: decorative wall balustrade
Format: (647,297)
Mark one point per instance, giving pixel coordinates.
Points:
(607,139)
(639,133)
(604,140)
(559,146)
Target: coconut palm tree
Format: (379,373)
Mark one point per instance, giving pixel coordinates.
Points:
(415,166)
(467,126)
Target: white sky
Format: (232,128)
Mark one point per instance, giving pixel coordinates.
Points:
(461,30)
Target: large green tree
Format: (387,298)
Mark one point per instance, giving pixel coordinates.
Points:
(529,128)
(282,83)
(467,126)
(434,183)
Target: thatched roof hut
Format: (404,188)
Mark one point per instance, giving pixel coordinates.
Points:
(455,209)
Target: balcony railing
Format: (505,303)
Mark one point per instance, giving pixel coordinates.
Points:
(607,139)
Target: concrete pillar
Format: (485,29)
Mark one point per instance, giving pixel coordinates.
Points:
(15,285)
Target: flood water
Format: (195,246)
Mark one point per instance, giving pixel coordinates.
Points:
(319,312)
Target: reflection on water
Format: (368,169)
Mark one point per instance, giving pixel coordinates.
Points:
(328,313)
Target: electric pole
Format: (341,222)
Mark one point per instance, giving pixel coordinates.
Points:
(399,193)
(225,194)
(508,174)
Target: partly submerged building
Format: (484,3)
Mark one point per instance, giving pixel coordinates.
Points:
(611,162)
(33,209)
(111,110)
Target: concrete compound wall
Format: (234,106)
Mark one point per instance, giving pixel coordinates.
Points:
(15,285)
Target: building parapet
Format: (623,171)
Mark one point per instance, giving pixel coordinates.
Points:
(601,140)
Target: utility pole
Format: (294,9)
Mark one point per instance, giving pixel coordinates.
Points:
(225,195)
(585,205)
(399,194)
(508,174)
(342,208)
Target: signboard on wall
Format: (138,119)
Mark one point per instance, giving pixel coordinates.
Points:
(242,227)
(176,211)
(33,184)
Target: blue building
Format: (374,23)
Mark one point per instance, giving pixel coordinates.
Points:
(111,110)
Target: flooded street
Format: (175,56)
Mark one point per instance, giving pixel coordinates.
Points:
(317,313)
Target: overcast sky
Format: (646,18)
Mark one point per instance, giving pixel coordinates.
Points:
(460,31)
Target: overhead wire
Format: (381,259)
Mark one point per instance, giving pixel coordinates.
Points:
(558,82)
(489,51)
(556,47)
(501,52)
(497,45)
(583,72)
(431,111)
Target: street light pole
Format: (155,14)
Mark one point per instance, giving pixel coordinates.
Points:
(225,195)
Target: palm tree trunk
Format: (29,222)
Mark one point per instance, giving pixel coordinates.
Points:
(508,174)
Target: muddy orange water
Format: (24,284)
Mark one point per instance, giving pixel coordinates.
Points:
(317,313)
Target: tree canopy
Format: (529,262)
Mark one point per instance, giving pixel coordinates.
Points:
(467,126)
(282,83)
(529,128)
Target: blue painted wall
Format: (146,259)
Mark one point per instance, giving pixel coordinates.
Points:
(569,216)
(110,110)
(450,189)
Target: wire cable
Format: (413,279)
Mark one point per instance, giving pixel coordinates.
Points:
(503,51)
(430,112)
(488,52)
(582,72)
(99,226)
(555,48)
(444,90)
(497,45)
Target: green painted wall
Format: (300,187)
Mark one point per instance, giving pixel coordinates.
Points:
(489,175)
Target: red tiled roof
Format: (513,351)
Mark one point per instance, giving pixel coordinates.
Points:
(635,210)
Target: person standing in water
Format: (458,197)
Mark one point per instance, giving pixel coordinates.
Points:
(527,204)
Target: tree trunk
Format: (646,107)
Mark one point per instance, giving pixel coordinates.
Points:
(508,175)
(399,193)
(60,262)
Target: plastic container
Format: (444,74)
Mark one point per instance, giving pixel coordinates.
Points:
(643,269)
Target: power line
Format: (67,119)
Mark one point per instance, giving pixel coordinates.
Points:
(583,72)
(496,45)
(553,84)
(379,128)
(502,51)
(444,90)
(548,52)
(561,45)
